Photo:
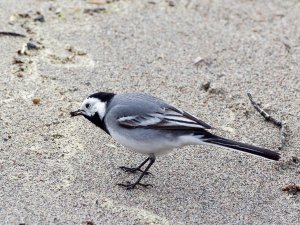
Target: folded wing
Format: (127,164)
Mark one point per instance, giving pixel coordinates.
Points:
(169,118)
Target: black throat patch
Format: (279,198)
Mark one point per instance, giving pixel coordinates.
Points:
(95,119)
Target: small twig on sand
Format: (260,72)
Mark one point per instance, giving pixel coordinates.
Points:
(264,113)
(4,33)
(292,189)
(283,134)
(268,117)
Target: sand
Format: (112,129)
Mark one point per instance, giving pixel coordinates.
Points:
(59,170)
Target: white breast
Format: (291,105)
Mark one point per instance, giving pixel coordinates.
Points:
(158,146)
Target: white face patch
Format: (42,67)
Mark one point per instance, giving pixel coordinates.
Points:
(92,105)
(101,108)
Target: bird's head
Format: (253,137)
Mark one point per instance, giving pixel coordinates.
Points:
(94,107)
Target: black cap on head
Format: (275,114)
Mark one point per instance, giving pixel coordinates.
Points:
(103,96)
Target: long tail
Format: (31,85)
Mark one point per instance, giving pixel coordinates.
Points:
(242,147)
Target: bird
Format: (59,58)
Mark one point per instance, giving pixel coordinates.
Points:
(148,125)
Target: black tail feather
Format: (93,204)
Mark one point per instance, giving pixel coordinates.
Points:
(243,147)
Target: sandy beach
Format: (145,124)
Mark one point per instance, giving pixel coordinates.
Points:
(201,56)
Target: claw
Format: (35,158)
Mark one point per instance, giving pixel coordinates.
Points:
(130,186)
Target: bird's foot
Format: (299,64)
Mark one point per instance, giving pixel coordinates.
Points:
(132,170)
(130,186)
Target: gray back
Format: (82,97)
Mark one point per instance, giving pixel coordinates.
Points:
(137,104)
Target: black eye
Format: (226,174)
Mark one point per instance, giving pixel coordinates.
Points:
(87,105)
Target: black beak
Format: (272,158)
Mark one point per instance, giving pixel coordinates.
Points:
(77,113)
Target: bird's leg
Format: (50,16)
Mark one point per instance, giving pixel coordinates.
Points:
(133,185)
(134,169)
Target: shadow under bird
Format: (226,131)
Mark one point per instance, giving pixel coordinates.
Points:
(148,125)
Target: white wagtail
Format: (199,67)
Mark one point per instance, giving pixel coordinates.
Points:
(149,125)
